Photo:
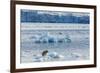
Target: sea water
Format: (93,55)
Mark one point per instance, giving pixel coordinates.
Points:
(75,49)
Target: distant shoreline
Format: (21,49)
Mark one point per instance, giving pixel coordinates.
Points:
(53,26)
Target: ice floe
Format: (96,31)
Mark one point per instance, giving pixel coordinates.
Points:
(48,57)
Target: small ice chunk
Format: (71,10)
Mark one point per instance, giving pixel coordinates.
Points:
(48,57)
(38,59)
(54,55)
(76,55)
(61,56)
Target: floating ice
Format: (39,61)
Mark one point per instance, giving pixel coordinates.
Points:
(48,38)
(76,55)
(78,49)
(38,59)
(54,55)
(50,56)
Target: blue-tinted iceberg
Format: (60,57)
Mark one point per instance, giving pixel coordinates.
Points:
(48,38)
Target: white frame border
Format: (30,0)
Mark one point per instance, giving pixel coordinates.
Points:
(52,64)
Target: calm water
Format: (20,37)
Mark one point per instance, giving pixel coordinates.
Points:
(77,48)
